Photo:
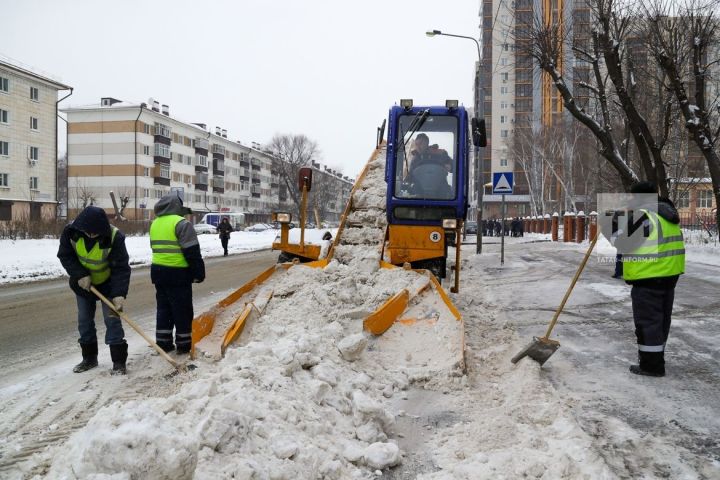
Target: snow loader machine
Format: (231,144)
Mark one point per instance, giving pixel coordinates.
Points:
(406,210)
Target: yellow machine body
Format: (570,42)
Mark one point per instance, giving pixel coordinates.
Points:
(411,243)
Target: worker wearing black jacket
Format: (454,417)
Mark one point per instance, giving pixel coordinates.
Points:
(653,260)
(93,253)
(176,265)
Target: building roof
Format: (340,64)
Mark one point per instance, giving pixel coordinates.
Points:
(36,76)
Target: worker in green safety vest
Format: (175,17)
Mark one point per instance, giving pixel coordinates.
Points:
(93,253)
(176,264)
(653,259)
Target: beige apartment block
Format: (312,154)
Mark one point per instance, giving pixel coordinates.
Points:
(28,143)
(140,153)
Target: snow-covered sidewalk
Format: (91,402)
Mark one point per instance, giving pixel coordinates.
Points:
(29,260)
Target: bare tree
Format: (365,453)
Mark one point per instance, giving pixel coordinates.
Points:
(83,194)
(683,38)
(294,151)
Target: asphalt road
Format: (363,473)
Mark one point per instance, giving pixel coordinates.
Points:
(38,321)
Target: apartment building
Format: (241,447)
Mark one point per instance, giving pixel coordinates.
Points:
(517,99)
(140,153)
(28,143)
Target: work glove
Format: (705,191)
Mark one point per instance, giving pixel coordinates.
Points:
(84,283)
(119,303)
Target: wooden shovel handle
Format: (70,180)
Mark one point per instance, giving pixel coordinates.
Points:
(137,328)
(572,285)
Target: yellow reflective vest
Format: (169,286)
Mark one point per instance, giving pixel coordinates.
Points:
(95,260)
(662,254)
(164,242)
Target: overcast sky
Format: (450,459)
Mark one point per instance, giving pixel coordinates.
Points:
(329,69)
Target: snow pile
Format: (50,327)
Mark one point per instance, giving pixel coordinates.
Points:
(287,404)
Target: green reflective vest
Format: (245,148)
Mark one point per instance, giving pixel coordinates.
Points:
(95,261)
(164,243)
(662,254)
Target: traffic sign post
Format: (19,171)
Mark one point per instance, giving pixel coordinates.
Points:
(503,183)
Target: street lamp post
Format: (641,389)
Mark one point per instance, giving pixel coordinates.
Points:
(478,160)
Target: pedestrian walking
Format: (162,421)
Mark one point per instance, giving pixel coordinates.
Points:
(652,265)
(176,264)
(93,253)
(224,230)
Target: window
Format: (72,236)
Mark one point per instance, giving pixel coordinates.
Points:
(503,133)
(162,150)
(201,160)
(34,94)
(33,123)
(4,149)
(503,162)
(683,199)
(4,85)
(503,104)
(503,89)
(704,199)
(148,129)
(503,61)
(4,180)
(34,153)
(503,118)
(4,115)
(164,170)
(146,172)
(146,192)
(33,183)
(163,130)
(146,149)
(505,47)
(504,76)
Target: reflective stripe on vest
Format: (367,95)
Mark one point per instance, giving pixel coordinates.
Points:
(661,255)
(95,261)
(164,242)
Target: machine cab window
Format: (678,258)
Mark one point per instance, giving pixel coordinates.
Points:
(426,161)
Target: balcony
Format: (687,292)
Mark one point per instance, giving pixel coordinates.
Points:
(161,174)
(218,166)
(202,143)
(219,149)
(201,181)
(218,184)
(163,133)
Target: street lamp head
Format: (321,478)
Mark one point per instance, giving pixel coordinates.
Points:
(432,33)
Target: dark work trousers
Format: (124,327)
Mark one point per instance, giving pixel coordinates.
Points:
(652,309)
(114,333)
(224,242)
(618,266)
(174,309)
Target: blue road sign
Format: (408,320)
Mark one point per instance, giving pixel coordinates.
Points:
(503,183)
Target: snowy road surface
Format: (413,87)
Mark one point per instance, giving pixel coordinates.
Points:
(285,402)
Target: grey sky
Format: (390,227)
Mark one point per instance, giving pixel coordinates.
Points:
(328,69)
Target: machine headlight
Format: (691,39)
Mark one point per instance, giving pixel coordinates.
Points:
(449,223)
(406,103)
(451,104)
(282,217)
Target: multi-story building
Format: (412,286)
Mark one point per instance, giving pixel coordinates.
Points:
(140,153)
(28,143)
(516,99)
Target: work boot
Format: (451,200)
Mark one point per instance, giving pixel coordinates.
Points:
(89,354)
(639,371)
(118,354)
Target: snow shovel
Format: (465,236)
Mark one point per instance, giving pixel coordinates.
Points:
(540,349)
(180,367)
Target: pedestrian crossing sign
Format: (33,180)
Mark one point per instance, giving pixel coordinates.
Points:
(502,183)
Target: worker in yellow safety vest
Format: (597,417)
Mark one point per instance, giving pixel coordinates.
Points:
(93,253)
(176,264)
(653,260)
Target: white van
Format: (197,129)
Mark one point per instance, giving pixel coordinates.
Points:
(237,220)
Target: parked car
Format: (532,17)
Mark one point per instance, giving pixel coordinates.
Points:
(258,227)
(471,228)
(204,228)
